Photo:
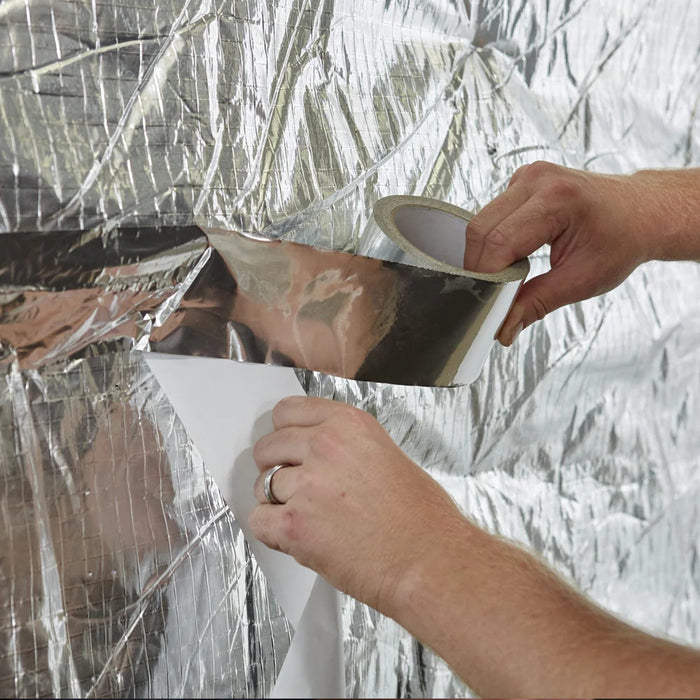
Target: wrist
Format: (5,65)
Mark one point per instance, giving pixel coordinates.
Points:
(666,212)
(433,586)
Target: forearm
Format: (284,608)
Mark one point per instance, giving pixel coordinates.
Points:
(511,627)
(353,507)
(667,210)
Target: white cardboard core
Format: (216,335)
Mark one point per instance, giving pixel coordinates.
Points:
(436,233)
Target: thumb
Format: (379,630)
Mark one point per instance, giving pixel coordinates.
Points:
(536,298)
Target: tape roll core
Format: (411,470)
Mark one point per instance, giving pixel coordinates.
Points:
(431,234)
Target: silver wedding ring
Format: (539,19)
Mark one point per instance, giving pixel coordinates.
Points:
(267,484)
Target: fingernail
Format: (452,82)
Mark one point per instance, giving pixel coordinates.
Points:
(516,332)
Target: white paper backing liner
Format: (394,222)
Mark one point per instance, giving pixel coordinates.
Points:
(291,120)
(225,407)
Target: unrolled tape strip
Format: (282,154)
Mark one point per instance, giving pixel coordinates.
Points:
(407,315)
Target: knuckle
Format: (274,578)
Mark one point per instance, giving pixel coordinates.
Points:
(539,169)
(540,307)
(284,405)
(561,187)
(549,219)
(359,418)
(518,174)
(356,423)
(475,230)
(324,440)
(499,241)
(292,524)
(555,222)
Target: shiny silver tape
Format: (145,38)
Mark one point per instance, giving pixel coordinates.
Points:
(59,294)
(251,300)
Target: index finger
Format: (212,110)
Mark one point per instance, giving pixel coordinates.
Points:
(304,411)
(483,223)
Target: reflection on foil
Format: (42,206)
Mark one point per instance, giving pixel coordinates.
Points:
(260,301)
(290,119)
(59,294)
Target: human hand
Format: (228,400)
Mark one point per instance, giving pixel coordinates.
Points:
(355,508)
(599,227)
(376,526)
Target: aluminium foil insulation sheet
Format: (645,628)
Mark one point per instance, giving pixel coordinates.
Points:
(121,571)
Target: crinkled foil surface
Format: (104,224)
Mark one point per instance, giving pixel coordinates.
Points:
(121,570)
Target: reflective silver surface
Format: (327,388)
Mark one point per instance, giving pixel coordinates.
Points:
(272,302)
(290,119)
(123,571)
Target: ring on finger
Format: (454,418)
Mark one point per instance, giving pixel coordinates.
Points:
(267,484)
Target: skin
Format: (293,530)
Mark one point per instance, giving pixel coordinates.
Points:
(374,524)
(599,228)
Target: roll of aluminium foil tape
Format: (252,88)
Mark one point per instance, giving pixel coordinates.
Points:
(430,234)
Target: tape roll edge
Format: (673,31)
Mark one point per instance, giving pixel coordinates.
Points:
(384,216)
